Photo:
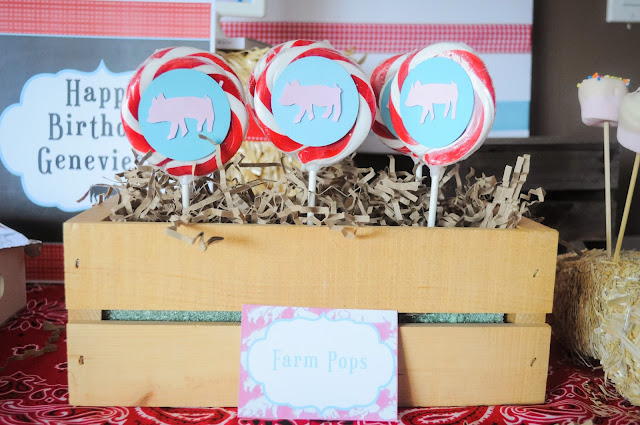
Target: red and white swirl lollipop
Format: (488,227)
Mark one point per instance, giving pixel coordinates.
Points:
(382,127)
(449,84)
(313,103)
(205,90)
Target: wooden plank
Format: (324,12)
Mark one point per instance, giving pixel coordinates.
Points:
(473,364)
(136,266)
(182,364)
(196,364)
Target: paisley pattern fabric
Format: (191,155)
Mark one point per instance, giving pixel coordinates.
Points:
(33,386)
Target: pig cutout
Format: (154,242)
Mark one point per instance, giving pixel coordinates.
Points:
(176,109)
(307,96)
(426,95)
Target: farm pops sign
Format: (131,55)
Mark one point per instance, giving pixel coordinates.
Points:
(65,135)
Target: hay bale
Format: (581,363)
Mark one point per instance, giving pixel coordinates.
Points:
(597,314)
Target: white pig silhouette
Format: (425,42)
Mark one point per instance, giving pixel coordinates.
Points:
(176,109)
(307,96)
(426,95)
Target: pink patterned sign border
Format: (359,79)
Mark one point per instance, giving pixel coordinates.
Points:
(267,394)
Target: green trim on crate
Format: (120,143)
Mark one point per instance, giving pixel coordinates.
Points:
(235,316)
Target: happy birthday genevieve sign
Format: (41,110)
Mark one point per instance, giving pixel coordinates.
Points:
(66,134)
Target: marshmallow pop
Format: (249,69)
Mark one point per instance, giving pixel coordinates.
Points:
(600,98)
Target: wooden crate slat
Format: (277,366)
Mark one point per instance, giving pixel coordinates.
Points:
(451,365)
(136,266)
(196,364)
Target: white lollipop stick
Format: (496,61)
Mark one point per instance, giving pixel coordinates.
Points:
(311,202)
(607,187)
(435,171)
(186,196)
(627,207)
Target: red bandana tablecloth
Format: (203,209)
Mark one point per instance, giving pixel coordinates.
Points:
(33,386)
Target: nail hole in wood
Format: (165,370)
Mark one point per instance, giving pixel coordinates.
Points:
(78,263)
(534,273)
(533,361)
(81,360)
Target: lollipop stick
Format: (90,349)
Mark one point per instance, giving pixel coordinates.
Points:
(434,171)
(607,186)
(627,207)
(186,196)
(312,194)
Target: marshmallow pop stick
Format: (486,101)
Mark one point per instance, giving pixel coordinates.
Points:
(607,186)
(600,98)
(629,137)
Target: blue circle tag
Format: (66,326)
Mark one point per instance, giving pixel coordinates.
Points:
(436,102)
(384,107)
(315,101)
(177,108)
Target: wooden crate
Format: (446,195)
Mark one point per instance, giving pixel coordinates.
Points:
(136,266)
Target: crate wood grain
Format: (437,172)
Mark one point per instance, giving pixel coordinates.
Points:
(197,364)
(136,266)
